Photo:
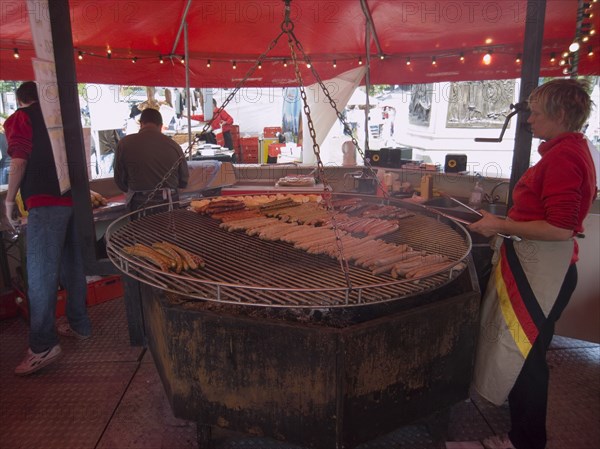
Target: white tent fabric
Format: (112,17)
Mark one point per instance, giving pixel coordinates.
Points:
(323,116)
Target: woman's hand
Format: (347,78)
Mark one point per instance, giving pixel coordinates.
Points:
(489,225)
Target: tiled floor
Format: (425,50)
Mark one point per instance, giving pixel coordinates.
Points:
(105,394)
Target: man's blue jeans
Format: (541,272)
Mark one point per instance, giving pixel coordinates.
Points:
(54,254)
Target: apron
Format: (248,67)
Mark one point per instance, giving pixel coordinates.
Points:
(160,196)
(526,280)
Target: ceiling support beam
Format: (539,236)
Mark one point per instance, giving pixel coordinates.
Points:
(530,73)
(62,42)
(182,25)
(371,25)
(367,84)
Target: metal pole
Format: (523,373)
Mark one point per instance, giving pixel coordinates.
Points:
(62,42)
(181,27)
(371,25)
(530,73)
(187,88)
(367,82)
(575,60)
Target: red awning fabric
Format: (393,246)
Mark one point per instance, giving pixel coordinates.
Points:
(328,31)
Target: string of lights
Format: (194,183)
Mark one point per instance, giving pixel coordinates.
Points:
(486,55)
(583,30)
(567,58)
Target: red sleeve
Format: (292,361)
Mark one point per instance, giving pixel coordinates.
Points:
(19,135)
(562,194)
(225,117)
(199,117)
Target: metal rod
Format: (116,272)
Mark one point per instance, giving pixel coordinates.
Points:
(575,61)
(187,88)
(181,27)
(367,82)
(62,42)
(530,72)
(369,17)
(465,206)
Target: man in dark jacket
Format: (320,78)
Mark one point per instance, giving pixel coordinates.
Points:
(144,159)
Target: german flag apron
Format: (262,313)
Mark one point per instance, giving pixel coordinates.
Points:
(524,286)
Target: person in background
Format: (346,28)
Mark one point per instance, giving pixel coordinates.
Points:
(53,247)
(142,161)
(5,159)
(534,279)
(220,120)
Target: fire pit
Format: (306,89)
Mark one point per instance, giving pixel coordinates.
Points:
(271,341)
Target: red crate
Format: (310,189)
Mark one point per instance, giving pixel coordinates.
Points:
(271,131)
(8,306)
(250,156)
(106,289)
(249,150)
(61,304)
(249,140)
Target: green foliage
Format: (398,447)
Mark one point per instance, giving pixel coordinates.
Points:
(9,86)
(378,89)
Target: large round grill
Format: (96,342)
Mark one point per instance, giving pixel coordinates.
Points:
(246,270)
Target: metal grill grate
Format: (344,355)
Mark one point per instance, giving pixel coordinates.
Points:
(245,270)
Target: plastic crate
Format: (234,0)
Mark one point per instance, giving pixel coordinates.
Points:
(271,131)
(250,157)
(99,291)
(8,306)
(105,289)
(23,305)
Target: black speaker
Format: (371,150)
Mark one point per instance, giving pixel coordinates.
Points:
(396,156)
(374,157)
(389,157)
(455,163)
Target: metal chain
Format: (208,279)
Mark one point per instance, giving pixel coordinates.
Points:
(248,74)
(167,175)
(182,158)
(321,169)
(340,116)
(287,27)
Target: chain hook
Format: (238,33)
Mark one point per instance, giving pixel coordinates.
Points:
(287,26)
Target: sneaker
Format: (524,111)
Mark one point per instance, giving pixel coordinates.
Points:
(33,362)
(66,331)
(498,442)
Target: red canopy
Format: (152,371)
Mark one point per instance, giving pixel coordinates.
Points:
(328,31)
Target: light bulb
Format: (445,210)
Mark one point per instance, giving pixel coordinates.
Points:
(574,47)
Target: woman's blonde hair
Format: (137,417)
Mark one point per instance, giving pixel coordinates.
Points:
(564,95)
